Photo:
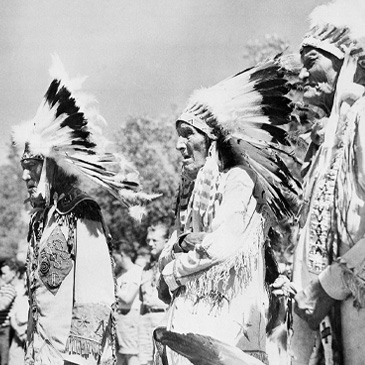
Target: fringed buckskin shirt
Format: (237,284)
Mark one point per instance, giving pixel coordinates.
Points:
(219,287)
(71,285)
(331,244)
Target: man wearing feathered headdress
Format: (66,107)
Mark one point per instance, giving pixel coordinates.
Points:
(230,195)
(330,255)
(69,267)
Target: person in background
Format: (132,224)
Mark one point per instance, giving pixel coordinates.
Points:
(19,323)
(128,306)
(7,296)
(152,308)
(143,256)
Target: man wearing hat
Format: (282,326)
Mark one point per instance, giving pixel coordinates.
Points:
(329,263)
(69,267)
(230,195)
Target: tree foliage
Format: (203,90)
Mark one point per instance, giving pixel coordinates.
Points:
(150,145)
(258,50)
(13,225)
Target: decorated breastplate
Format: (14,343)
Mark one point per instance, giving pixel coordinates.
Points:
(52,259)
(55,261)
(80,204)
(322,245)
(321,219)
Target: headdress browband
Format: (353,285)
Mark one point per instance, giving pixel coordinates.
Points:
(197,123)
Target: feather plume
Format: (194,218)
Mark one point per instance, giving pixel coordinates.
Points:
(203,350)
(250,107)
(67,129)
(337,26)
(341,14)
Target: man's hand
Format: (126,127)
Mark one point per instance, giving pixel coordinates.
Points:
(313,303)
(188,241)
(283,287)
(22,337)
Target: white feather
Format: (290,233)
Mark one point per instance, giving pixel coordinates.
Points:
(238,107)
(137,212)
(342,14)
(46,136)
(57,71)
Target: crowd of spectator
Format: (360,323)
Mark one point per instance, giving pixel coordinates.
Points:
(139,309)
(13,312)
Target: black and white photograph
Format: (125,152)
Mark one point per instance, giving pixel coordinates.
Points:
(182,182)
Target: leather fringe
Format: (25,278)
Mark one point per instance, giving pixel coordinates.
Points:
(227,279)
(355,284)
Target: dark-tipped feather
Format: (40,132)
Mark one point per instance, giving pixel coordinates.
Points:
(250,106)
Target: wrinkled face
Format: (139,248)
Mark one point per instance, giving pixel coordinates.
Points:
(193,146)
(32,169)
(7,274)
(319,76)
(156,241)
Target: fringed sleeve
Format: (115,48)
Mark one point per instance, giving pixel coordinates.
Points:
(227,236)
(347,276)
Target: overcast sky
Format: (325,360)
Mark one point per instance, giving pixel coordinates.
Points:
(142,57)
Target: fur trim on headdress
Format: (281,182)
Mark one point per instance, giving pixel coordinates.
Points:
(66,128)
(249,108)
(336,26)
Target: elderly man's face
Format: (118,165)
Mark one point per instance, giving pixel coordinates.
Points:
(32,169)
(319,76)
(193,147)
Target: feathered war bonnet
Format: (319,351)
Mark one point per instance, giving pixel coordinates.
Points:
(246,111)
(338,28)
(66,131)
